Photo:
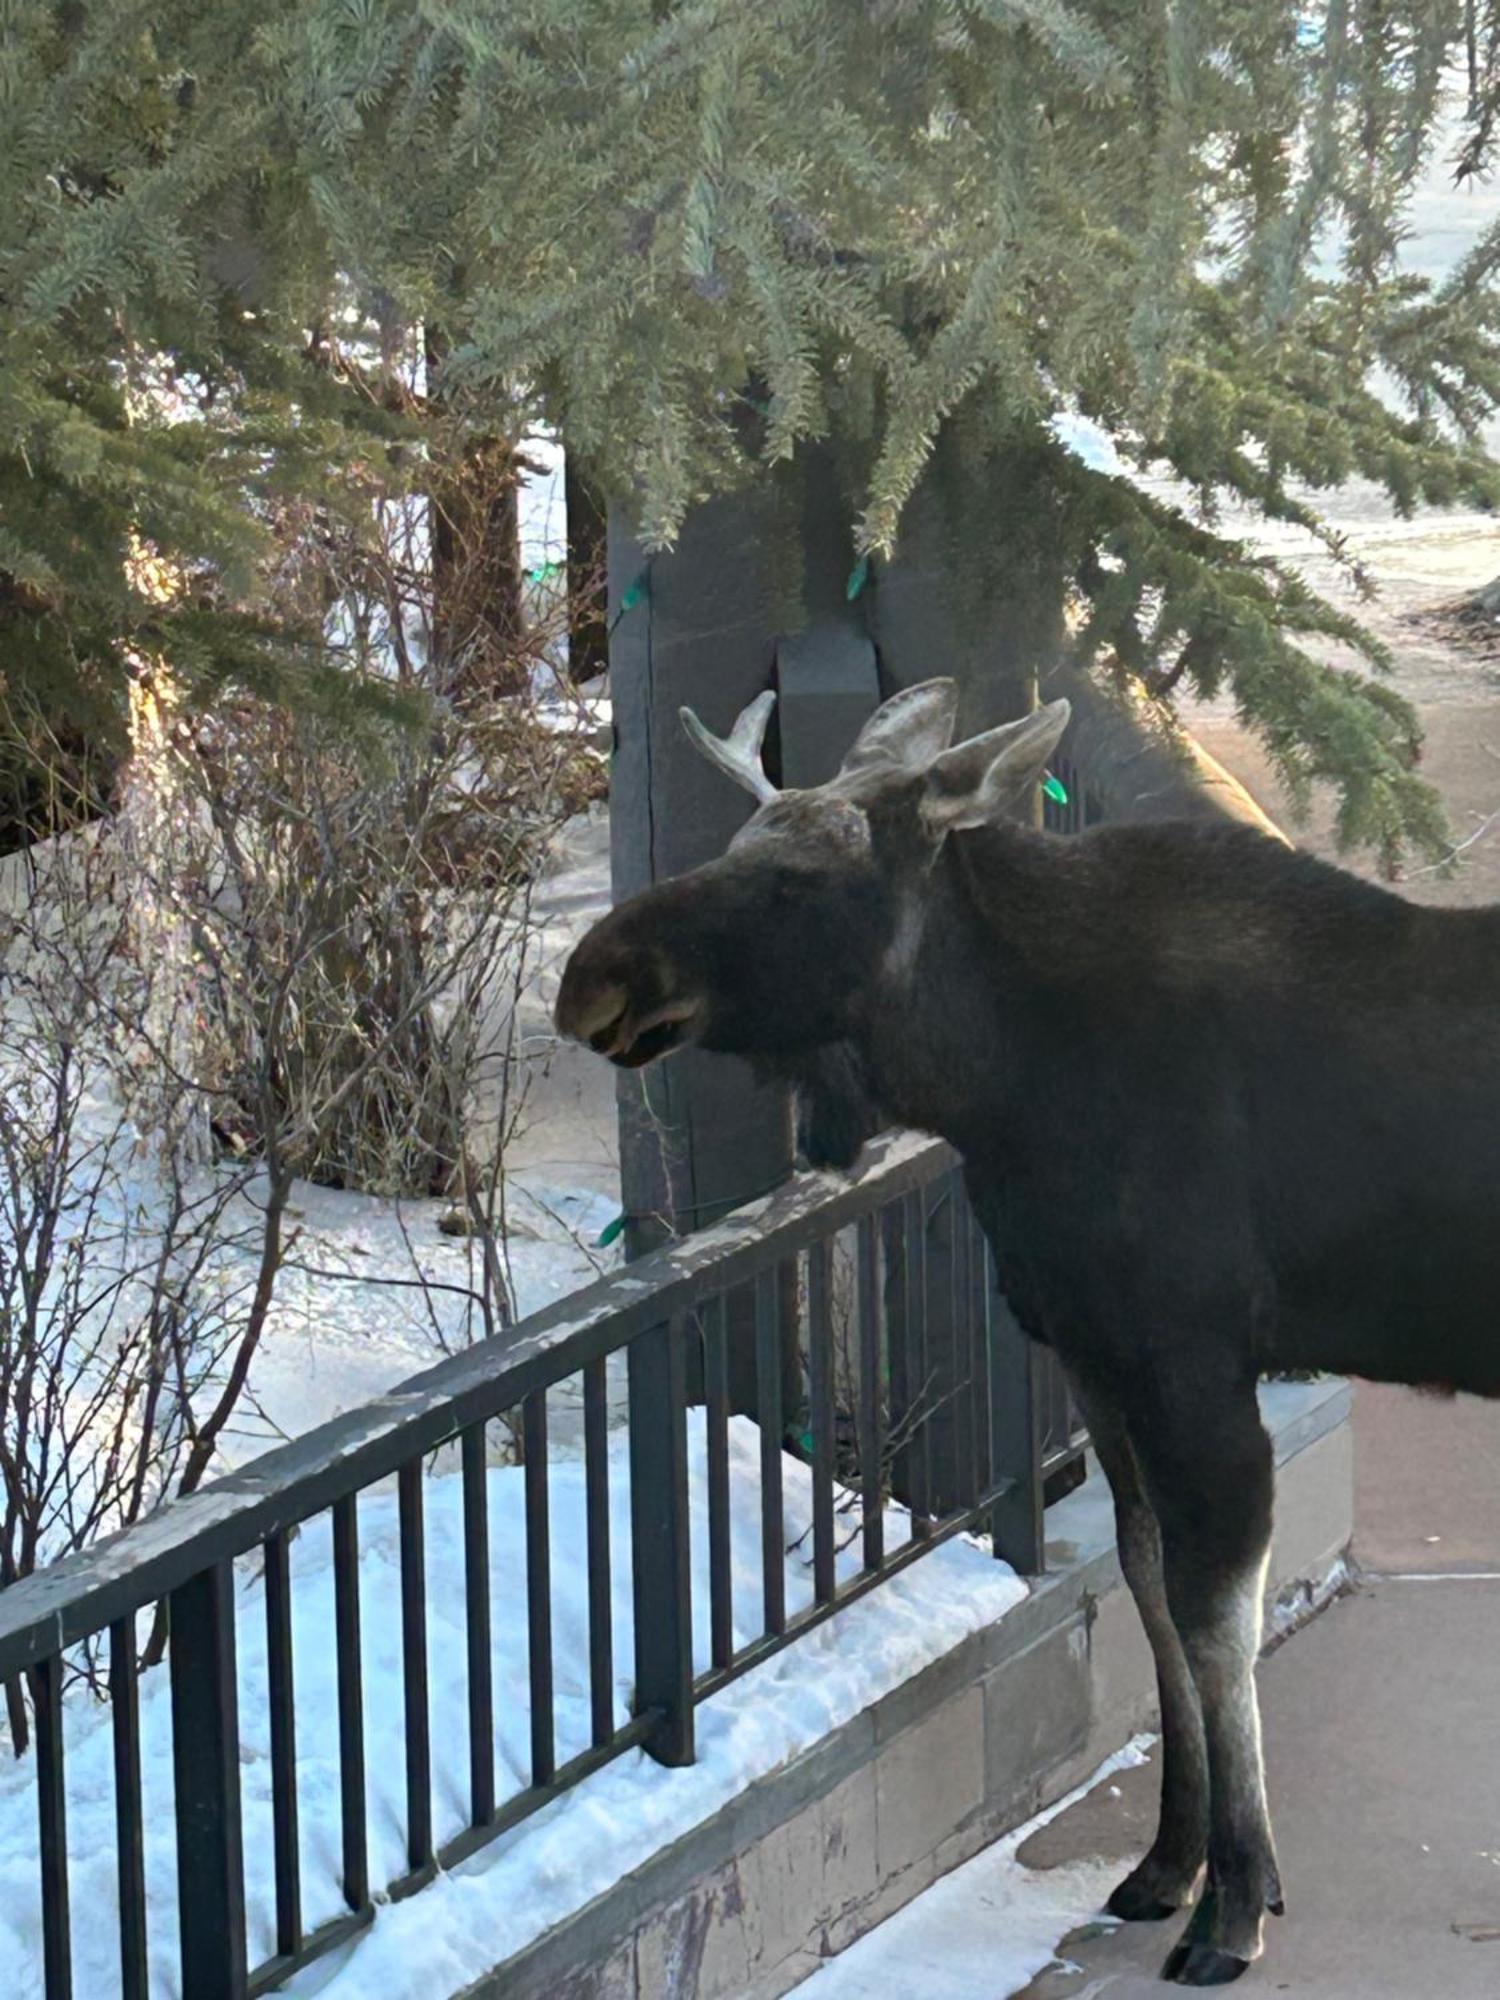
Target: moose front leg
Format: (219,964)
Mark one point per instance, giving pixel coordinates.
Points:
(1164,1880)
(1206,1461)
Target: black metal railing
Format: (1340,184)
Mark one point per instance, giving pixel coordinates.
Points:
(918,1408)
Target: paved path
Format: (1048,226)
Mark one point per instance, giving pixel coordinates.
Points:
(1383,1756)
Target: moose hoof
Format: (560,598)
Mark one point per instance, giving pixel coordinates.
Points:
(1147,1895)
(1203,1965)
(1135,1906)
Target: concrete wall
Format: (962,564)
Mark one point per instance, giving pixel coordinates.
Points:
(810,1857)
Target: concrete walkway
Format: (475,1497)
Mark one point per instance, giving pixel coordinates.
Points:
(1383,1748)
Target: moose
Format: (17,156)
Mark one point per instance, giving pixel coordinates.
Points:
(1281,1090)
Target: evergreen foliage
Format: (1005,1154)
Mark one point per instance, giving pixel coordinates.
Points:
(162,389)
(698,235)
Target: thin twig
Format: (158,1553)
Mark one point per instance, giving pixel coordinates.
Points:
(1437,867)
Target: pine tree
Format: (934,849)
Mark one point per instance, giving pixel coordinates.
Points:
(162,388)
(697,236)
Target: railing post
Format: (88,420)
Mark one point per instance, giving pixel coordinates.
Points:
(942,1389)
(1017,1519)
(206,1774)
(661,1574)
(52,1827)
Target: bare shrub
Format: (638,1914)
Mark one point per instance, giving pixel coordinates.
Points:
(295,951)
(127,1283)
(369,888)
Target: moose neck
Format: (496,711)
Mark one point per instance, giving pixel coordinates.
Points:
(953,986)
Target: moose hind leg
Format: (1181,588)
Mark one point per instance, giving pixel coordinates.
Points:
(1164,1880)
(1208,1471)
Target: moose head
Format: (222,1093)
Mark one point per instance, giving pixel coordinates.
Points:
(778,949)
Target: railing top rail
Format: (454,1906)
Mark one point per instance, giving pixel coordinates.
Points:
(82,1593)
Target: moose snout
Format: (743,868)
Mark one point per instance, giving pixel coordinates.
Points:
(631,1015)
(589,1010)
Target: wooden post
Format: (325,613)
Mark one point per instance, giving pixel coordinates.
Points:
(931,610)
(698,1135)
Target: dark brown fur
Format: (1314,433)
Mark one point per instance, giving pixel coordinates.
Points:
(1224,1110)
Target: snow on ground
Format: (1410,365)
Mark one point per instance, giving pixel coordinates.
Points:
(986,1929)
(347,1321)
(532,1877)
(351,1317)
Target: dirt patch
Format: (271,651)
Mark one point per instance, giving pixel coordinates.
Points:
(1468,627)
(1461,758)
(1446,663)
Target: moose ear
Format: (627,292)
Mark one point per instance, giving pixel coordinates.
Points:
(989,776)
(911,728)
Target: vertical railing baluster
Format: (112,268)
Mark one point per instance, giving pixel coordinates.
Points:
(538,1587)
(596,1505)
(352,1807)
(52,1827)
(899,1394)
(130,1853)
(964,1349)
(1017,1518)
(871,1392)
(661,1572)
(414,1666)
(769,1415)
(713,1320)
(984,1360)
(918,1373)
(941,1351)
(281,1699)
(820,1401)
(477,1625)
(206,1780)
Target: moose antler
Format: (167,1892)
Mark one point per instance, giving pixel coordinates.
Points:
(738,753)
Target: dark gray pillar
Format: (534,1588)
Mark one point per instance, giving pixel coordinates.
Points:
(827,686)
(977,585)
(699,626)
(698,1136)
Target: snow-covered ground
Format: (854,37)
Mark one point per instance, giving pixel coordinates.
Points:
(539,1872)
(336,1340)
(373,1289)
(350,1317)
(987,1928)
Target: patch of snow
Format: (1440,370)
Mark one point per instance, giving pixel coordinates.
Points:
(538,1873)
(351,1316)
(988,1928)
(542,503)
